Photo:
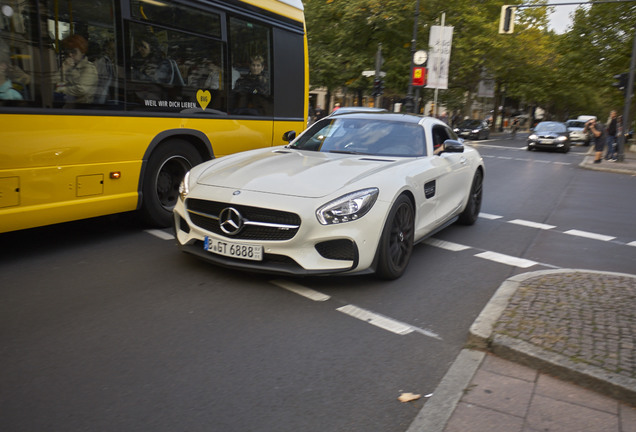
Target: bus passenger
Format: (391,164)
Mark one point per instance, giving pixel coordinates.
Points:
(255,82)
(7,92)
(77,81)
(151,65)
(251,91)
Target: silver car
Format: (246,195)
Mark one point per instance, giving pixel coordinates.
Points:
(576,127)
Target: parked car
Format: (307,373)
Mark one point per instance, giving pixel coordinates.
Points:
(550,135)
(351,194)
(473,129)
(576,128)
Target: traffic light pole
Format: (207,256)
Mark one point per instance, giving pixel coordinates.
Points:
(409,104)
(628,101)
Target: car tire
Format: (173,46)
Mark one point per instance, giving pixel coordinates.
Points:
(530,148)
(396,243)
(473,205)
(166,167)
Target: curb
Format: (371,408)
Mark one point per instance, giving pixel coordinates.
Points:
(588,376)
(588,163)
(435,414)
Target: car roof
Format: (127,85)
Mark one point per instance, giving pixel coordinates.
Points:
(388,116)
(349,110)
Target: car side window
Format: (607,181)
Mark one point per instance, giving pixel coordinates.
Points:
(440,134)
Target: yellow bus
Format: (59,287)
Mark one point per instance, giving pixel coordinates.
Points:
(106,104)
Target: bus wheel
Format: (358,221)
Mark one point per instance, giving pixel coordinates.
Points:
(166,168)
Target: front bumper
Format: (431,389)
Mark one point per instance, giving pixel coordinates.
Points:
(548,143)
(313,250)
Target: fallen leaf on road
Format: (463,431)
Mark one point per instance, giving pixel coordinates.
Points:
(408,397)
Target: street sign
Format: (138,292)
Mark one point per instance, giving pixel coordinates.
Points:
(370,73)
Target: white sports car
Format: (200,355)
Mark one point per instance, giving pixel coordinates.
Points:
(351,194)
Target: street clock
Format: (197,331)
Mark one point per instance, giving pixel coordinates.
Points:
(419,58)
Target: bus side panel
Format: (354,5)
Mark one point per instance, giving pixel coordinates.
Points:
(54,169)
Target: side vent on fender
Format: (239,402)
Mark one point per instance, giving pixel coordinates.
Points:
(429,189)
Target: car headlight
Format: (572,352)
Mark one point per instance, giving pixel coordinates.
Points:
(562,138)
(347,208)
(184,186)
(475,131)
(532,137)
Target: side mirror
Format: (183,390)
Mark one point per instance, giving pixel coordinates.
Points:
(452,146)
(289,136)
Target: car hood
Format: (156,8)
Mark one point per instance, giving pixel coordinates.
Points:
(292,172)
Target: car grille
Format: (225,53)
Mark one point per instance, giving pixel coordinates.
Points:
(258,223)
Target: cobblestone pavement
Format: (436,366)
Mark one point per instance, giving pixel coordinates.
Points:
(553,350)
(588,317)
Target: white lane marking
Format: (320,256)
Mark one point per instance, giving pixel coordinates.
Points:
(631,243)
(589,235)
(489,216)
(301,290)
(531,224)
(443,244)
(383,322)
(160,234)
(562,163)
(506,259)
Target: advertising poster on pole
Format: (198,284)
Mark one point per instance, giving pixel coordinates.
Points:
(439,42)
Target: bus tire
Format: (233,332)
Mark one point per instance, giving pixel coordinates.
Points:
(166,167)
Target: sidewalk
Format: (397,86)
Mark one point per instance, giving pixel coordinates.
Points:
(627,166)
(553,350)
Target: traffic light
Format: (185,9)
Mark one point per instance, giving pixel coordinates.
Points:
(507,20)
(621,82)
(378,87)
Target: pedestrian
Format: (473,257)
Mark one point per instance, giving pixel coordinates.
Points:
(597,131)
(612,132)
(514,128)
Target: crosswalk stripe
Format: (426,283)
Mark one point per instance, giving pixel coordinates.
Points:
(443,244)
(506,259)
(531,224)
(590,235)
(301,290)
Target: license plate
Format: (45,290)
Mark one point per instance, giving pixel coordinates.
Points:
(546,141)
(234,250)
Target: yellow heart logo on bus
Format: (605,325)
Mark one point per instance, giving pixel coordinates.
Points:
(204,98)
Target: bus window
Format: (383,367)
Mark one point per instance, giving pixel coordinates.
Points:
(250,45)
(17,55)
(178,16)
(171,71)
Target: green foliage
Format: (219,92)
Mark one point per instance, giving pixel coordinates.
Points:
(566,74)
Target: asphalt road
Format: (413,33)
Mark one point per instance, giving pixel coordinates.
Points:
(107,326)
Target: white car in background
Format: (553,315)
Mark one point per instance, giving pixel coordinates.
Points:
(351,194)
(576,127)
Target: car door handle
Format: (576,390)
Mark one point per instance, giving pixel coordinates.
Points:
(463,160)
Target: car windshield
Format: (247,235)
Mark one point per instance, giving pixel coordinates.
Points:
(550,127)
(575,124)
(470,124)
(368,136)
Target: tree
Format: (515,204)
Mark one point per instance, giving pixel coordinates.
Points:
(565,74)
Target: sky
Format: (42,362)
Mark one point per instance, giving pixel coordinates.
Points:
(560,19)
